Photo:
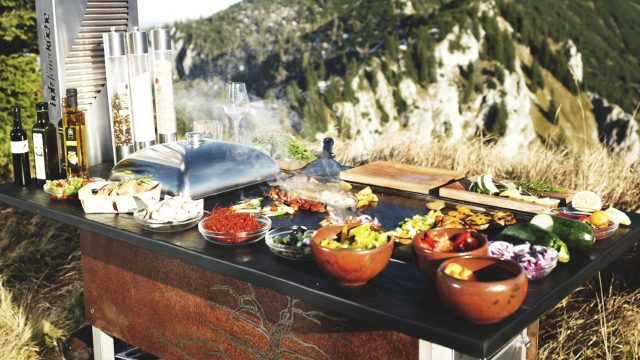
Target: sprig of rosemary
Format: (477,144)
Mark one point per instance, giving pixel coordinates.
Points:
(298,153)
(538,187)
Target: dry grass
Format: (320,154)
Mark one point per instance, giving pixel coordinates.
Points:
(601,320)
(615,178)
(15,332)
(40,262)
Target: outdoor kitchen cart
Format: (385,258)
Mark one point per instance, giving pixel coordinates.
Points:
(180,297)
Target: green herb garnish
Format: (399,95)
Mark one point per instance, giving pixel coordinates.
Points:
(298,153)
(538,187)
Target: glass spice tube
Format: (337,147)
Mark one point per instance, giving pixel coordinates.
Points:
(119,97)
(144,131)
(163,85)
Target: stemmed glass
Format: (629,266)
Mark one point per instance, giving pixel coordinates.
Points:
(236,105)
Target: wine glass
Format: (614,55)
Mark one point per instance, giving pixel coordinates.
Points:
(236,105)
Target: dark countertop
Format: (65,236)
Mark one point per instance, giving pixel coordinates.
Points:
(397,299)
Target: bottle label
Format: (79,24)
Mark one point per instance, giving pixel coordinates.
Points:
(38,151)
(163,89)
(19,147)
(71,148)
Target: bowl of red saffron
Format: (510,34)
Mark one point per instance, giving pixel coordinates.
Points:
(227,227)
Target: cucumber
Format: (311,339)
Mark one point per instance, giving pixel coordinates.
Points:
(473,187)
(576,234)
(531,233)
(487,181)
(545,221)
(535,235)
(480,185)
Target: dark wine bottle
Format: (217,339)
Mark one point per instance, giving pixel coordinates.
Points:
(19,150)
(45,146)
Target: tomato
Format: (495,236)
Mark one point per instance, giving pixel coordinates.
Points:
(427,241)
(465,241)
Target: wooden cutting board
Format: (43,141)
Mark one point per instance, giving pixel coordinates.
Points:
(459,191)
(400,176)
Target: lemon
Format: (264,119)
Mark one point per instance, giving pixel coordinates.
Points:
(618,216)
(586,201)
(599,218)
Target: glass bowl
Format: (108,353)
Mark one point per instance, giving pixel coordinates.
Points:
(236,238)
(572,213)
(288,251)
(58,195)
(533,274)
(166,226)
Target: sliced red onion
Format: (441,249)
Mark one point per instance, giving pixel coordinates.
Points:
(522,249)
(532,258)
(501,249)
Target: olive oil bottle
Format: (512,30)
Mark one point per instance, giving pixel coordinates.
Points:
(45,147)
(62,167)
(75,144)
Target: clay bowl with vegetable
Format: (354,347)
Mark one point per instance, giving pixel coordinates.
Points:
(434,246)
(481,289)
(358,262)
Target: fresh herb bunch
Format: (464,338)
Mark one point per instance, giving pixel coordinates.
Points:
(298,153)
(538,187)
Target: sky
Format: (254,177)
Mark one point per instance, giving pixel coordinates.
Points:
(159,12)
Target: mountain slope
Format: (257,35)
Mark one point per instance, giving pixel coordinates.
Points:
(449,69)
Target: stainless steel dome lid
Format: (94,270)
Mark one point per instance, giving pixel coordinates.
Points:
(198,167)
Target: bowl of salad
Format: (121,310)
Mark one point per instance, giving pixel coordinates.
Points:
(65,189)
(353,253)
(291,243)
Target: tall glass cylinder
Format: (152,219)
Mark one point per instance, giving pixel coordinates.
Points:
(163,85)
(119,97)
(141,94)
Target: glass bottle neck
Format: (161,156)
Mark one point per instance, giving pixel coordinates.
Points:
(42,117)
(17,121)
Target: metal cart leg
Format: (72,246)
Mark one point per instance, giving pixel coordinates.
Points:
(102,345)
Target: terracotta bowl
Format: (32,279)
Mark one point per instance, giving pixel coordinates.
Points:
(429,260)
(349,267)
(487,300)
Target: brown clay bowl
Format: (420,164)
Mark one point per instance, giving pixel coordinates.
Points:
(428,261)
(498,291)
(349,267)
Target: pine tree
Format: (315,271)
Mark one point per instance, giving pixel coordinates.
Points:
(537,81)
(409,66)
(391,48)
(425,60)
(315,114)
(496,119)
(551,113)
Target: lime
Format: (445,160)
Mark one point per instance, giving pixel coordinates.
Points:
(618,216)
(586,201)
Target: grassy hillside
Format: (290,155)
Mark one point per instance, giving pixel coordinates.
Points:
(605,32)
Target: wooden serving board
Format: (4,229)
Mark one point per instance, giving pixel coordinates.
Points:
(400,176)
(459,190)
